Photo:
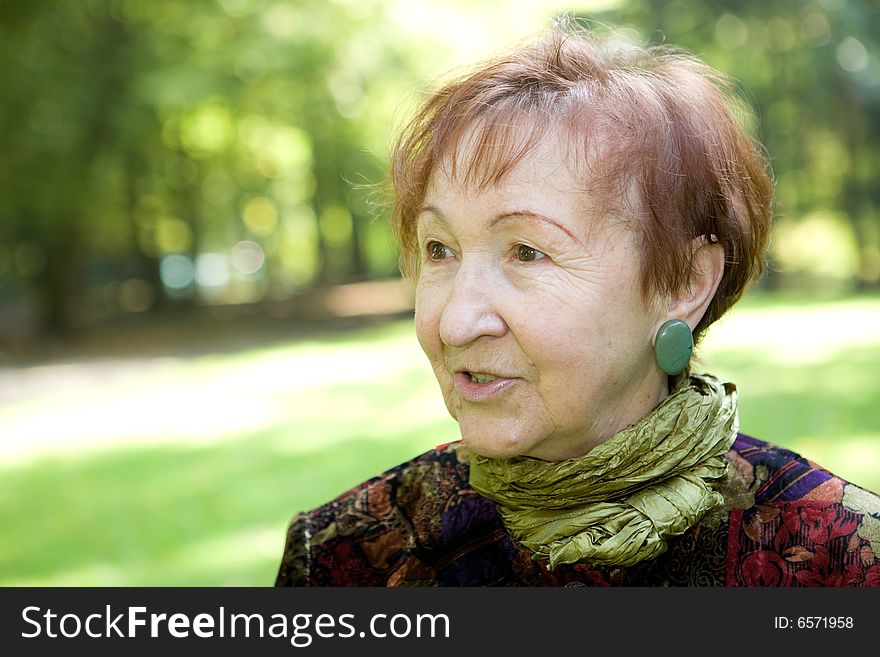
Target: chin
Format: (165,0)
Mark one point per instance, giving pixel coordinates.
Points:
(495,446)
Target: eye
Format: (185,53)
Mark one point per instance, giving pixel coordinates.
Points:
(528,254)
(438,251)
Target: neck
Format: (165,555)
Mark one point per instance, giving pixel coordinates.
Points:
(654,389)
(656,479)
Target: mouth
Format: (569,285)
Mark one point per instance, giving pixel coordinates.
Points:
(481,386)
(479,377)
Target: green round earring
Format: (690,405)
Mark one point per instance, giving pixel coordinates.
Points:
(673,346)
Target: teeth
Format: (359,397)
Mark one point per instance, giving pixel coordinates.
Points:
(482,378)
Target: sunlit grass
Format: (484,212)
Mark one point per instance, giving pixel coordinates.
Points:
(186,471)
(808,375)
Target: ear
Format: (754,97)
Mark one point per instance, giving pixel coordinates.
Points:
(707,268)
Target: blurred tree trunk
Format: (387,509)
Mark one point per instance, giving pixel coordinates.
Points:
(322,273)
(856,192)
(192,215)
(64,242)
(61,278)
(359,268)
(146,267)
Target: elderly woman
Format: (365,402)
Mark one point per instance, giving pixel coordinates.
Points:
(575,215)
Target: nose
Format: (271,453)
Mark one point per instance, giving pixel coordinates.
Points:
(471,309)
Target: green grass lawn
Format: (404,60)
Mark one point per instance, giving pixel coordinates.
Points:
(185,470)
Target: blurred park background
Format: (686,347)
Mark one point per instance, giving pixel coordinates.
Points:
(202,326)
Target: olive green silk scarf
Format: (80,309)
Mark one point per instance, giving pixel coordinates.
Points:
(619,503)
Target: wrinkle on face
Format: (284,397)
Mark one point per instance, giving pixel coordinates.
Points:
(572,326)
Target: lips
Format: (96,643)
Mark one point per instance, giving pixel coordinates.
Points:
(480,377)
(481,386)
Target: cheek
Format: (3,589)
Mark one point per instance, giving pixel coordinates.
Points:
(427,322)
(583,350)
(425,335)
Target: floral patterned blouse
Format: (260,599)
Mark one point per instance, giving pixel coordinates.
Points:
(787,522)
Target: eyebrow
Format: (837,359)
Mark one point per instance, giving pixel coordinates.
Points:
(430,208)
(513,214)
(506,216)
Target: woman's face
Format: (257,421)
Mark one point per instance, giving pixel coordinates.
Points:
(528,306)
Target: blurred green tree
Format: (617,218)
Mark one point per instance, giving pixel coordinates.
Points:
(139,137)
(811,71)
(165,152)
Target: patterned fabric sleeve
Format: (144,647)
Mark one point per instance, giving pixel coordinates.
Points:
(380,533)
(790,523)
(295,566)
(355,540)
(805,543)
(807,527)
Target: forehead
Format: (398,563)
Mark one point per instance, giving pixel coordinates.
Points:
(516,155)
(525,164)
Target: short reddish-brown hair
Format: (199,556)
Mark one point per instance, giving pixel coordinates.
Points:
(660,138)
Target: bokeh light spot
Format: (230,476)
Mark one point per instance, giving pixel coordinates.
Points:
(820,244)
(335,224)
(280,20)
(816,28)
(212,270)
(176,271)
(248,257)
(136,295)
(731,32)
(172,235)
(852,55)
(251,65)
(206,130)
(260,216)
(219,188)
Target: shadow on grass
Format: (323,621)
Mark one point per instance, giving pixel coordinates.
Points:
(827,411)
(128,513)
(215,514)
(197,334)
